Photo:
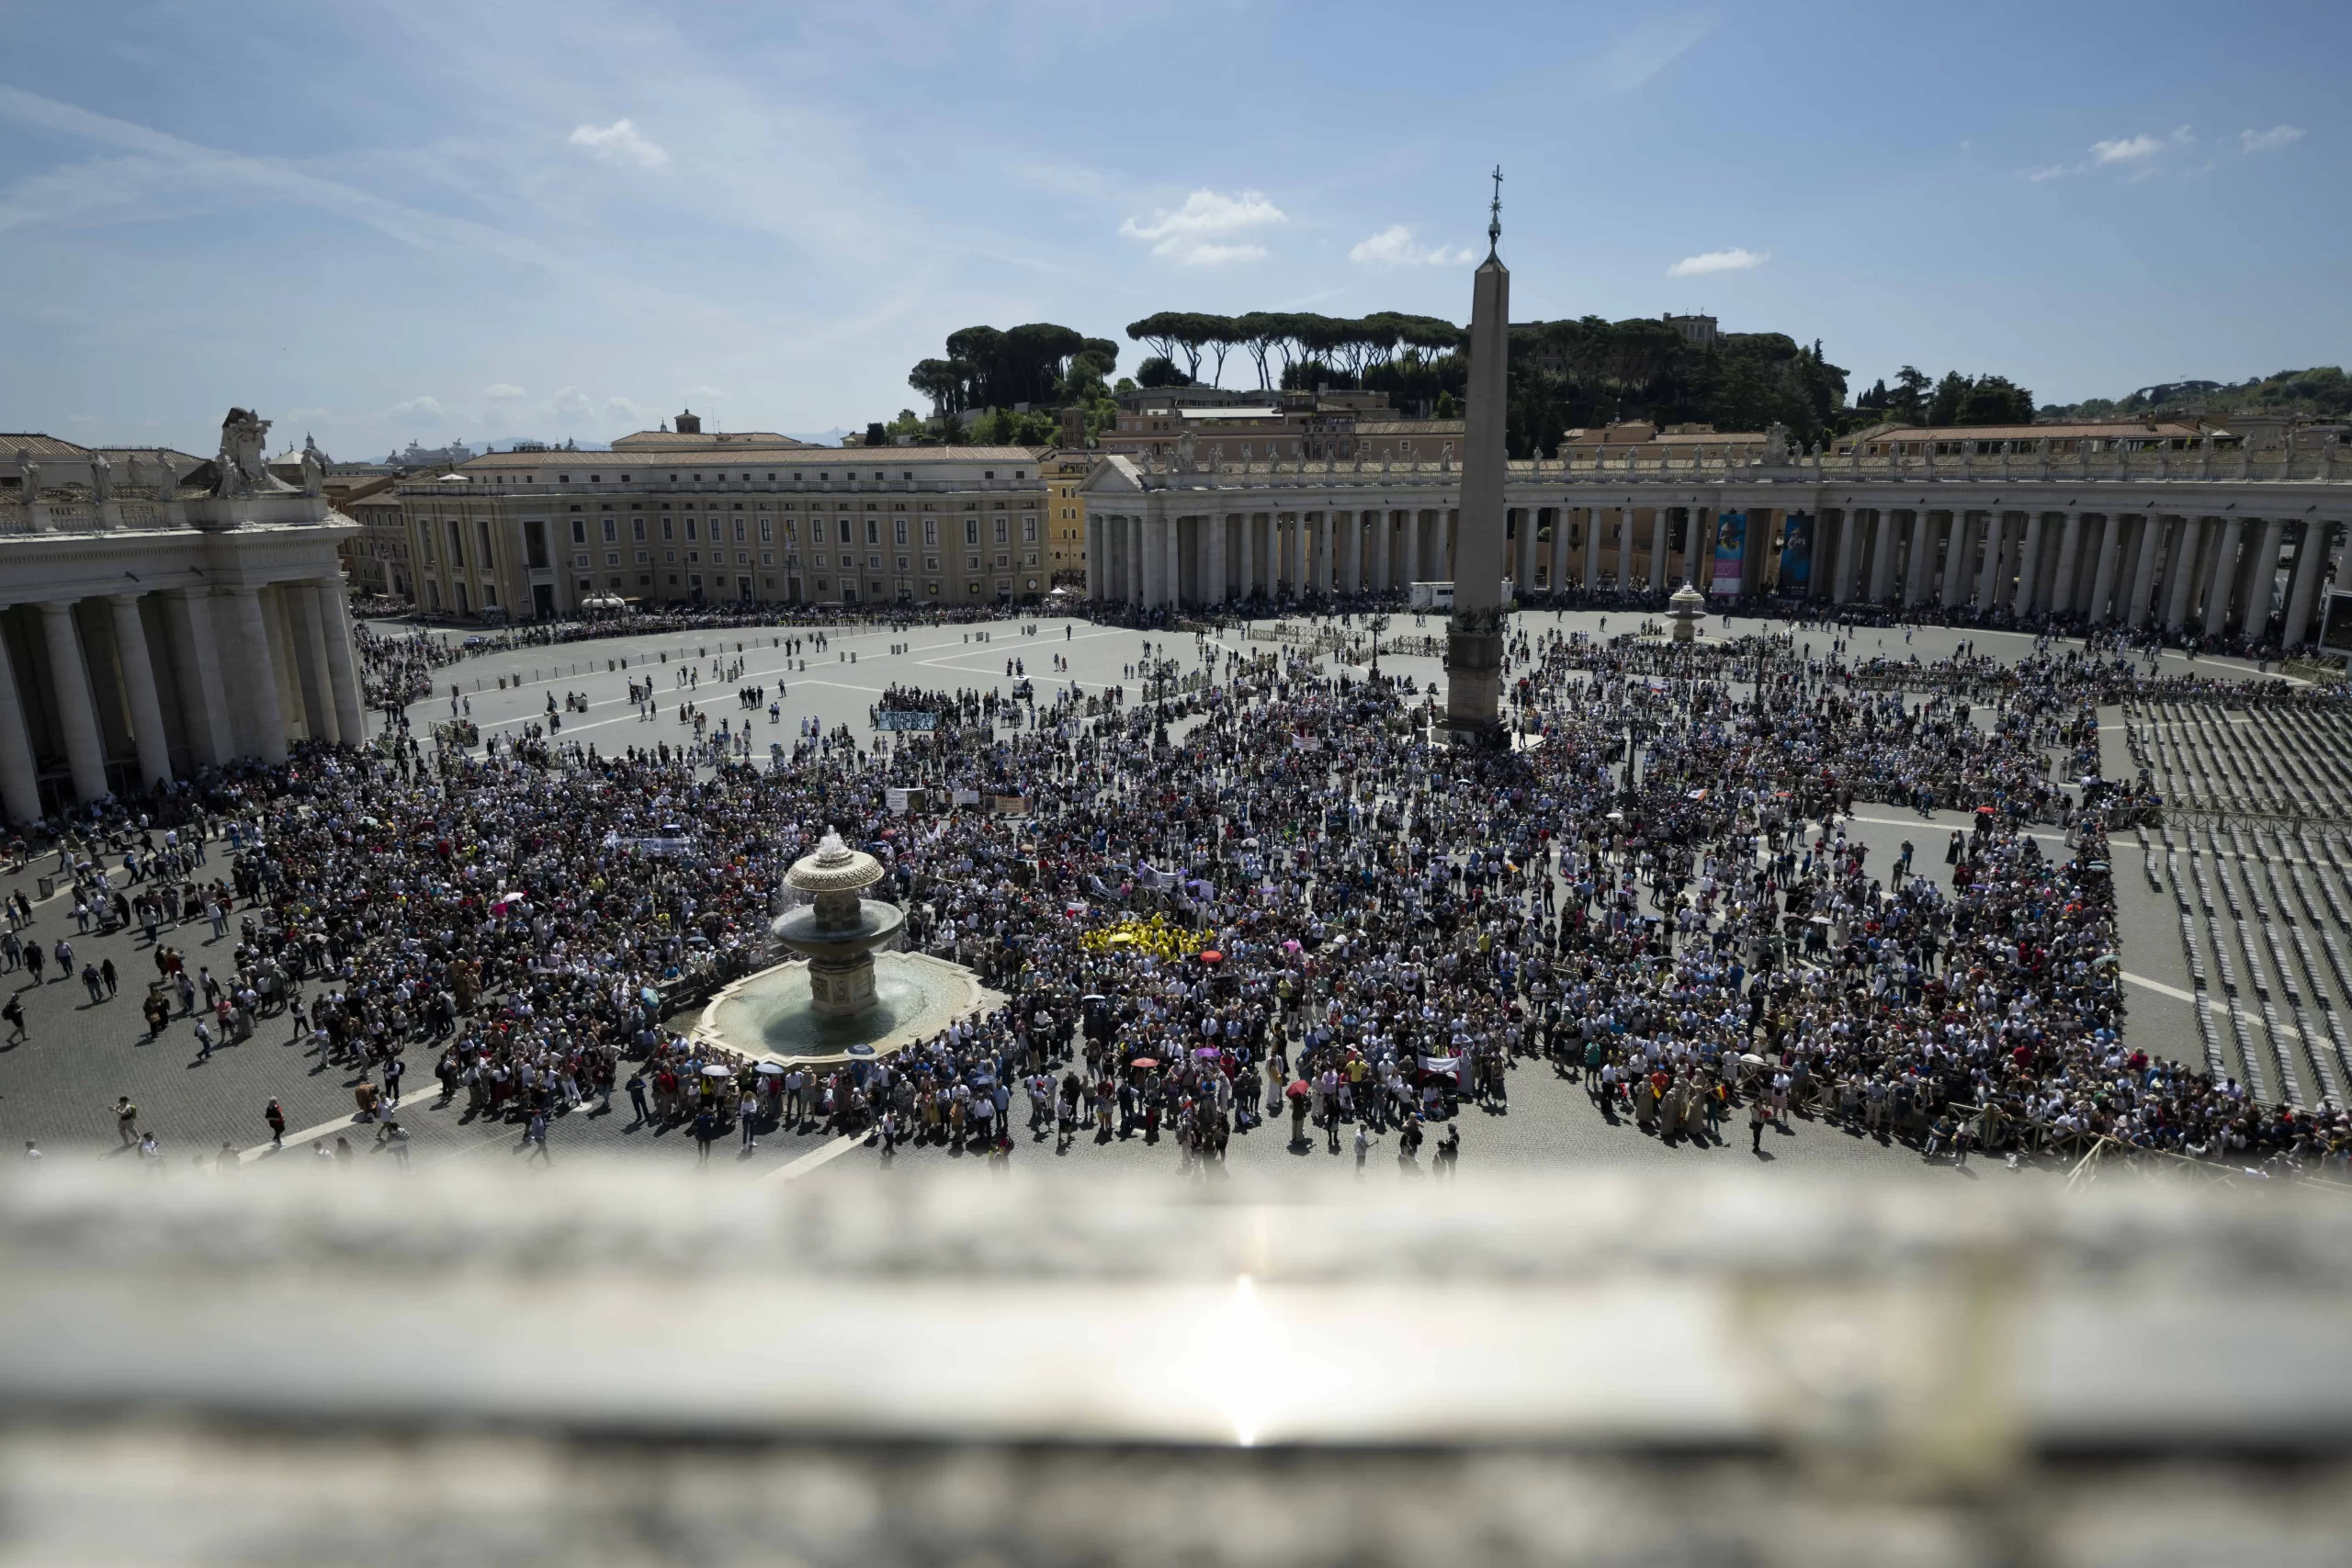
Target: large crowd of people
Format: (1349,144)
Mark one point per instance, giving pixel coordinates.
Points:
(1653,891)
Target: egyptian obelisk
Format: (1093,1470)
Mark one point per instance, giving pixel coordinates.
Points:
(1473,640)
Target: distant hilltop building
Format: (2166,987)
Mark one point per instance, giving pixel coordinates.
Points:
(417,456)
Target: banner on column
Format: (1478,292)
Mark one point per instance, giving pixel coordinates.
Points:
(1730,552)
(1796,555)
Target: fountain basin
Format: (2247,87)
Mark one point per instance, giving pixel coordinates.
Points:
(772,1014)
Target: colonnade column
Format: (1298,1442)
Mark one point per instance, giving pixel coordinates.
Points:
(1882,553)
(2028,567)
(1842,586)
(1958,531)
(196,655)
(1213,559)
(2180,571)
(2266,578)
(1092,532)
(1412,549)
(1133,532)
(1172,582)
(309,645)
(2103,576)
(1996,529)
(2060,598)
(2148,546)
(2221,578)
(1915,565)
(19,787)
(2302,593)
(139,689)
(1658,549)
(1592,547)
(76,714)
(342,678)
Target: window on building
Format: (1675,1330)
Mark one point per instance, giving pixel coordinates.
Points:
(767,531)
(971,530)
(580,530)
(1028,530)
(901,530)
(1001,530)
(612,530)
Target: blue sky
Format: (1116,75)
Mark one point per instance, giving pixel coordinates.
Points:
(530,218)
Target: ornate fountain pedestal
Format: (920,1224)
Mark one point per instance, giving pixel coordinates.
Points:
(1686,606)
(837,930)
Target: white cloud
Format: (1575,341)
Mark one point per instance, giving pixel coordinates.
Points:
(2125,149)
(2141,154)
(623,411)
(571,404)
(502,391)
(705,393)
(2270,141)
(620,143)
(1396,246)
(1732,260)
(421,410)
(1192,232)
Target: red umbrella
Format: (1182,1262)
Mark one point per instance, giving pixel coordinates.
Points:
(1298,1089)
(1144,1062)
(1210,955)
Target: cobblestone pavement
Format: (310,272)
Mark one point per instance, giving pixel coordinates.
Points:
(58,1087)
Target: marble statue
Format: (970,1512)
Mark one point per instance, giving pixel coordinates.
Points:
(314,474)
(27,477)
(101,478)
(244,471)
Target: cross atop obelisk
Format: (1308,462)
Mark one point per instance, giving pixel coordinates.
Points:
(1474,636)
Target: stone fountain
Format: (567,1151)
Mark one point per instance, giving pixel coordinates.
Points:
(1686,606)
(837,930)
(839,997)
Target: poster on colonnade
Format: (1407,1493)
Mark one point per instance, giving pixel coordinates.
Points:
(1796,555)
(1730,552)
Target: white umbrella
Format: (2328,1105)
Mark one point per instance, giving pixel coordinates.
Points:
(716,1070)
(770,1069)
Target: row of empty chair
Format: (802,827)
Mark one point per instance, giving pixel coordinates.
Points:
(2253,848)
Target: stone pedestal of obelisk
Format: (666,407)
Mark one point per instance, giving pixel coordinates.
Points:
(1473,638)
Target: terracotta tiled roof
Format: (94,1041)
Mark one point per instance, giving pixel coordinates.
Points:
(40,446)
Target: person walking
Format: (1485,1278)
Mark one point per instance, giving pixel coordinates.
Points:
(534,1137)
(1759,1115)
(126,1121)
(275,1114)
(637,1098)
(14,1012)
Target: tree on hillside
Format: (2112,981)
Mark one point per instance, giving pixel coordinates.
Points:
(1995,400)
